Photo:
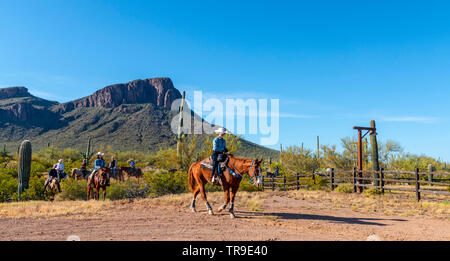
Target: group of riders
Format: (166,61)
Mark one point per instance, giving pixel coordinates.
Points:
(57,172)
(218,153)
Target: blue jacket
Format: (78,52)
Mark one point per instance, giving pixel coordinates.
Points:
(99,163)
(219,144)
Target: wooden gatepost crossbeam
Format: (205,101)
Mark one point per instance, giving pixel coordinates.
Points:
(360,130)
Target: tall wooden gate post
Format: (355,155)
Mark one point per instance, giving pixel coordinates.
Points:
(354,179)
(360,152)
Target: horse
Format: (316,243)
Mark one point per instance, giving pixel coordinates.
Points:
(52,188)
(78,174)
(117,174)
(99,182)
(231,179)
(53,185)
(132,172)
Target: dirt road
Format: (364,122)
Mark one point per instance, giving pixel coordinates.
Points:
(281,218)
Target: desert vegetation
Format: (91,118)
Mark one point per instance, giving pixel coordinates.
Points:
(165,171)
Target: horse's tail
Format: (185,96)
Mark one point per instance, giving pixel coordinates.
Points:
(191,180)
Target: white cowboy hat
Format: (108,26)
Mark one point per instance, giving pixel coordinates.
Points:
(100,154)
(60,160)
(221,130)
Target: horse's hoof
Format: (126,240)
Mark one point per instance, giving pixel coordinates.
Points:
(210,212)
(232,215)
(193,210)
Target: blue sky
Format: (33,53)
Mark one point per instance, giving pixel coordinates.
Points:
(339,63)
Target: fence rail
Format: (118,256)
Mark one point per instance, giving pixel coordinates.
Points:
(361,179)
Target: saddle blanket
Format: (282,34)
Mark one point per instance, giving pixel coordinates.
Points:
(207,164)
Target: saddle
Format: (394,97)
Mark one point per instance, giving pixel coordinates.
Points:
(223,163)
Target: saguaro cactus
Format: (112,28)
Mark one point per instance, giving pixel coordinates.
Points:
(24,166)
(180,131)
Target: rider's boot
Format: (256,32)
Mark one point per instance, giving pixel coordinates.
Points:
(213,176)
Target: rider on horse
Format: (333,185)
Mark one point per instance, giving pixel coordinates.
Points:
(52,174)
(60,169)
(98,164)
(84,168)
(219,147)
(113,166)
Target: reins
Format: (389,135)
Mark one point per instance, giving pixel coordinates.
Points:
(239,175)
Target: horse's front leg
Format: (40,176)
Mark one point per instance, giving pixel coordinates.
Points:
(104,193)
(88,196)
(233,195)
(97,193)
(226,190)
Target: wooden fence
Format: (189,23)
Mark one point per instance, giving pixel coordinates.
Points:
(438,183)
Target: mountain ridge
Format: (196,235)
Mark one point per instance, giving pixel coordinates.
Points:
(127,116)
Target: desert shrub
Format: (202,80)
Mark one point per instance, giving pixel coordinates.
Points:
(344,188)
(127,190)
(35,189)
(166,183)
(116,191)
(318,184)
(372,191)
(72,190)
(8,186)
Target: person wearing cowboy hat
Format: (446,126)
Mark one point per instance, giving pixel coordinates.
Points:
(60,168)
(219,147)
(98,164)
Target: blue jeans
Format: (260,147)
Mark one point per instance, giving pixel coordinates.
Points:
(215,162)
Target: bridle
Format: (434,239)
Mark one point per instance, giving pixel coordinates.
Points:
(238,175)
(253,172)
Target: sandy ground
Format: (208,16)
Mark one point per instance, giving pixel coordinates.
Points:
(282,218)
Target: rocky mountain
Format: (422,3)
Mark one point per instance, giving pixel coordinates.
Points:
(129,116)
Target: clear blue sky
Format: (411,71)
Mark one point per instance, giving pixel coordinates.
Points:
(339,63)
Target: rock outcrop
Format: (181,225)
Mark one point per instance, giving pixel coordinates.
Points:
(158,91)
(14,92)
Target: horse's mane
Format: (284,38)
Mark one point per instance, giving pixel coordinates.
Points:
(238,159)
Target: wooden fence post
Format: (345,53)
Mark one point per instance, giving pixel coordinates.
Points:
(417,185)
(430,173)
(262,183)
(354,179)
(332,179)
(314,177)
(382,180)
(284,183)
(298,182)
(273,183)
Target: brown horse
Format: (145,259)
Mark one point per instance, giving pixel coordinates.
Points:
(116,174)
(132,172)
(231,179)
(99,182)
(78,174)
